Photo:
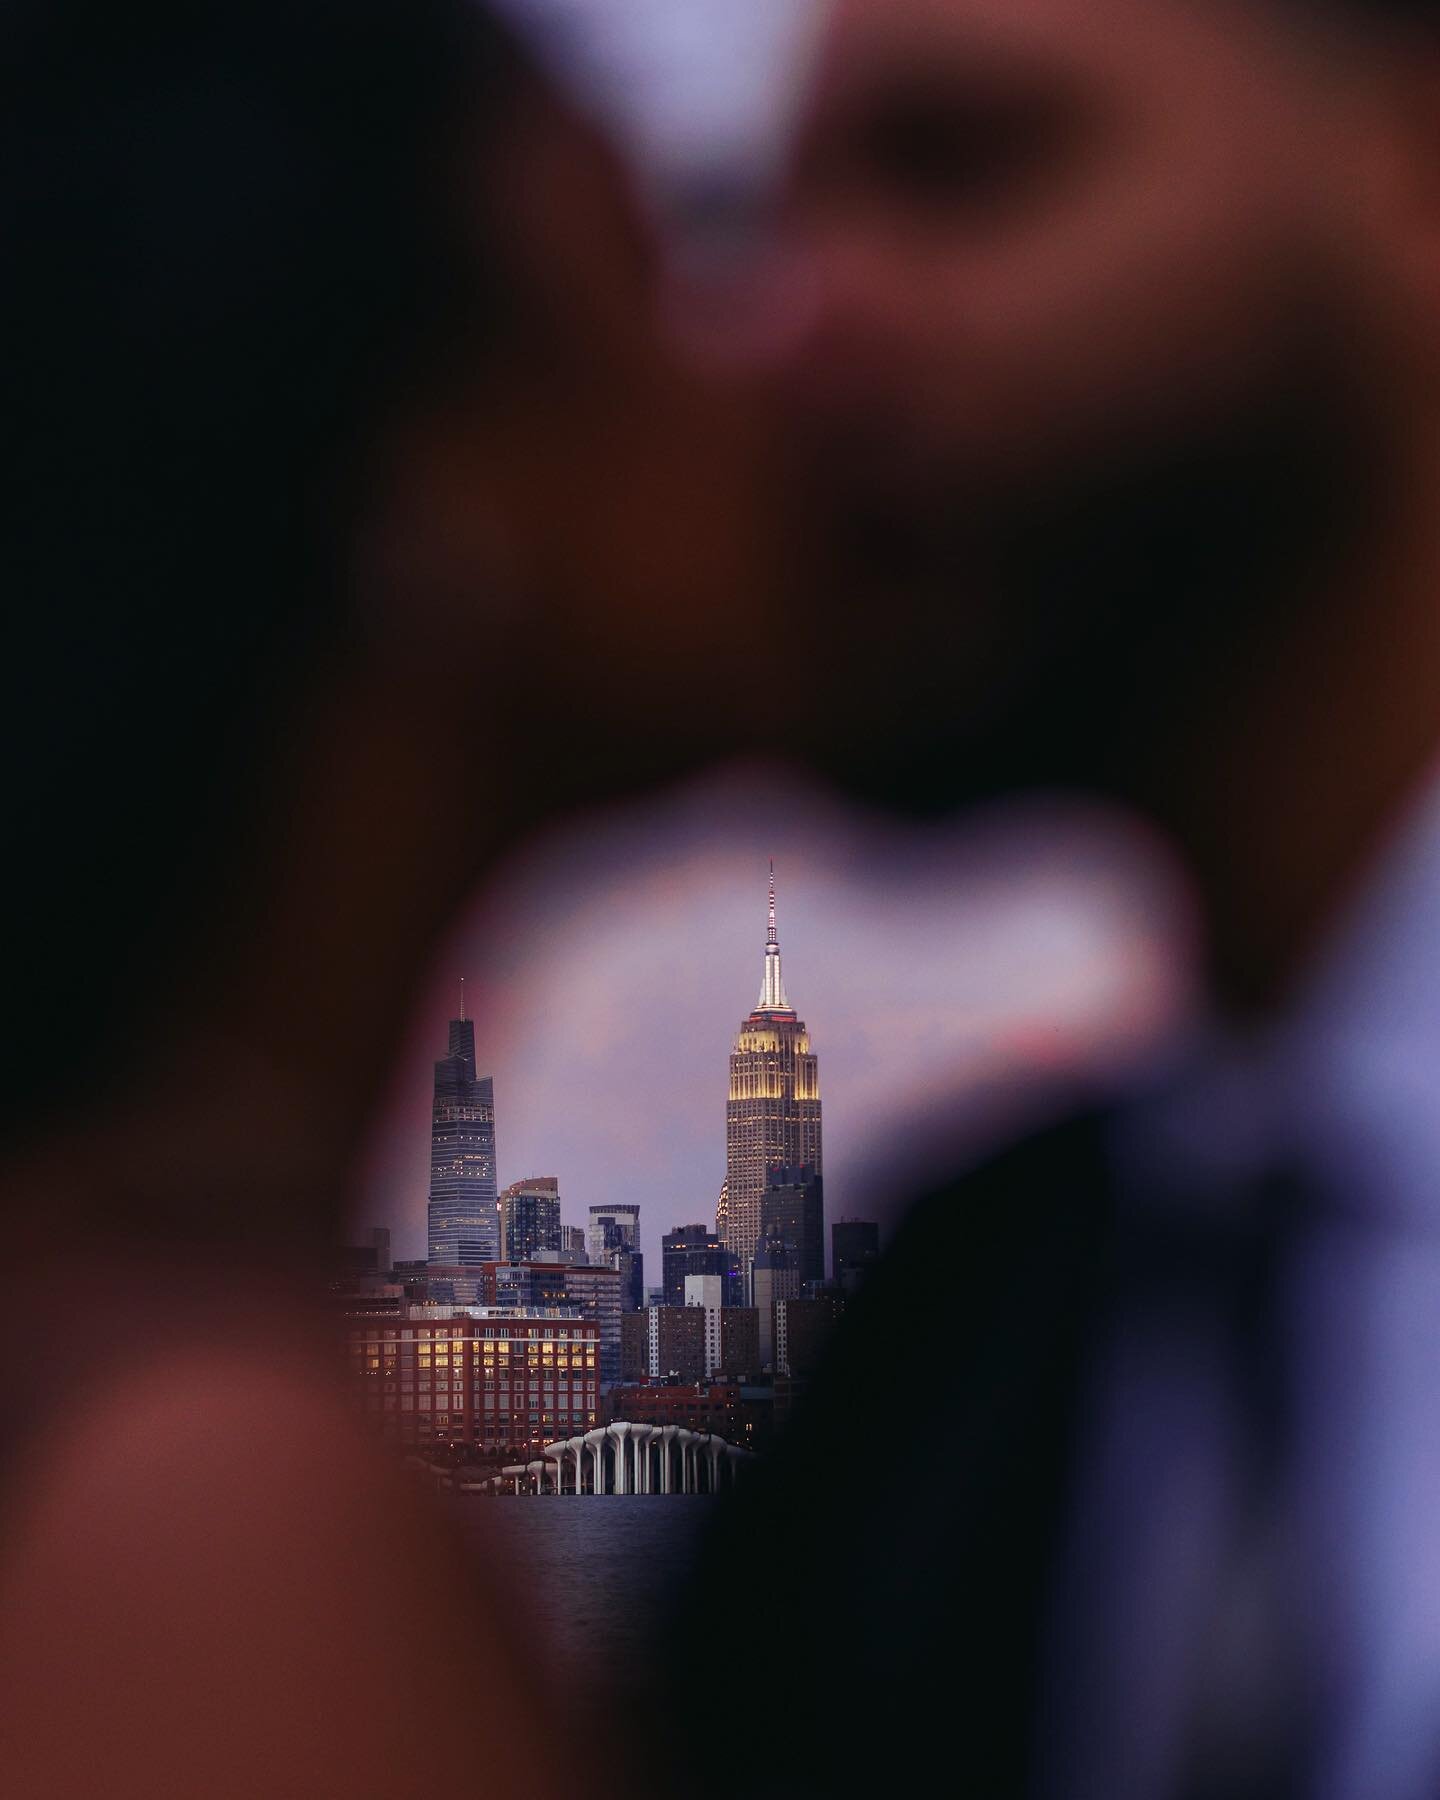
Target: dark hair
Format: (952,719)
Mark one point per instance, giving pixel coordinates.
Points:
(228,242)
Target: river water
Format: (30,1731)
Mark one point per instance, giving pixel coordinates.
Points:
(594,1575)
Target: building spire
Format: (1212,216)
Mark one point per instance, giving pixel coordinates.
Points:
(771,937)
(462,999)
(772,988)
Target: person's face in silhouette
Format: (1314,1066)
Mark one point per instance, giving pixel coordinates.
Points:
(1100,301)
(601,493)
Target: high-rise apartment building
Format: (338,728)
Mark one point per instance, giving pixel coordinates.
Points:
(572,1238)
(772,1119)
(464,1218)
(707,1292)
(677,1342)
(530,1218)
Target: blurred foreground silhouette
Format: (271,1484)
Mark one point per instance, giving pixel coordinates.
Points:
(1111,400)
(337,425)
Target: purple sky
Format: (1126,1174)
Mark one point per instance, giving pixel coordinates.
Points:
(608,969)
(684,84)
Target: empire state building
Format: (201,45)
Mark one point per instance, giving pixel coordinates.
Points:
(772,1119)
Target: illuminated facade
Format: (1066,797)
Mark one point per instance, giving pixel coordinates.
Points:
(464,1216)
(495,1378)
(772,1118)
(593,1292)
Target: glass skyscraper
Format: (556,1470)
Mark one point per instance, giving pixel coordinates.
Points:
(530,1218)
(464,1195)
(613,1241)
(772,1119)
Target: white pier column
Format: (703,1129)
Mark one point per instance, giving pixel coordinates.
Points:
(594,1442)
(621,1432)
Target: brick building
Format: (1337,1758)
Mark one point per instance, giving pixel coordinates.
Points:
(677,1342)
(739,1341)
(489,1378)
(634,1346)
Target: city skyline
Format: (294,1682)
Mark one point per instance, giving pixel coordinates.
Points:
(607,969)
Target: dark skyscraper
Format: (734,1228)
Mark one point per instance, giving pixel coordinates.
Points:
(464,1211)
(772,1120)
(855,1249)
(697,1250)
(792,1214)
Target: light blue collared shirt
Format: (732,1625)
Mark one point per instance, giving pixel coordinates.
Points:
(1173,1596)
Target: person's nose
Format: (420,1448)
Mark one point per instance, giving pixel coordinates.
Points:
(832,348)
